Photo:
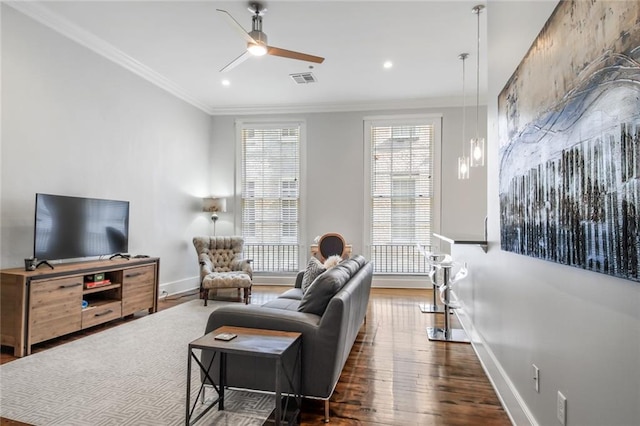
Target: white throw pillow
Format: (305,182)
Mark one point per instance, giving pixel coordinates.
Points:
(332,261)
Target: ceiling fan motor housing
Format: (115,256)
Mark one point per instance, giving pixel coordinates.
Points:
(259,37)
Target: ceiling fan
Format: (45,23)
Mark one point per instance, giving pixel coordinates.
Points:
(257,40)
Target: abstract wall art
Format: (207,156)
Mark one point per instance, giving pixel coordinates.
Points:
(569,128)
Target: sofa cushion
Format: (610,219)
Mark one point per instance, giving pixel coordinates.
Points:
(292,293)
(322,289)
(351,265)
(314,268)
(280,303)
(359,259)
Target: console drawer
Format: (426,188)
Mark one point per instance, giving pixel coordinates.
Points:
(55,306)
(142,275)
(138,289)
(99,312)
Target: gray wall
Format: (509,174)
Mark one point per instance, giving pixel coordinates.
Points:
(335,180)
(582,329)
(74,123)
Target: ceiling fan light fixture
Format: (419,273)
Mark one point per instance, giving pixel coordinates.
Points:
(257,49)
(257,44)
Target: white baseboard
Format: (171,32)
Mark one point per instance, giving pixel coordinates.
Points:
(287,280)
(398,281)
(181,286)
(514,405)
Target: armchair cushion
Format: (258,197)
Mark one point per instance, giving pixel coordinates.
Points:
(230,279)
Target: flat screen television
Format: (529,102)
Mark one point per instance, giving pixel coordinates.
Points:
(75,227)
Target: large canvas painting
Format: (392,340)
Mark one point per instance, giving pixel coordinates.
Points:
(569,126)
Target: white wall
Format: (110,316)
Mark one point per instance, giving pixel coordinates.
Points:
(74,123)
(334,200)
(582,329)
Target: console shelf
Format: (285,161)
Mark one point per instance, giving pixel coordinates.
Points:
(44,304)
(101,288)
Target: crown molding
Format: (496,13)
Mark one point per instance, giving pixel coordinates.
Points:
(443,102)
(45,16)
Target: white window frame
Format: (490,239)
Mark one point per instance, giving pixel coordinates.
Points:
(399,120)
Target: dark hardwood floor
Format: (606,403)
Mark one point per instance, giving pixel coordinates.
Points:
(394,374)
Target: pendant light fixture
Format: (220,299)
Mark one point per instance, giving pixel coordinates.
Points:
(476,153)
(463,161)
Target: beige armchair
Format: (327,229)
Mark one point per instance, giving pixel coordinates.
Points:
(222,265)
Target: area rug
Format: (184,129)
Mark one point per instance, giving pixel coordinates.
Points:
(132,374)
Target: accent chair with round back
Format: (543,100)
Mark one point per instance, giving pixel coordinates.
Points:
(331,244)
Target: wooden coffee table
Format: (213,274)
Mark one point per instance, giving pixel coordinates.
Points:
(254,342)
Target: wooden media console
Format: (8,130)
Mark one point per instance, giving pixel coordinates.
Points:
(47,303)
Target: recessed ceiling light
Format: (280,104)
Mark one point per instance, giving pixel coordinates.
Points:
(226,82)
(388,64)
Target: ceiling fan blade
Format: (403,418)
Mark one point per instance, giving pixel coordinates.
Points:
(237,61)
(237,26)
(276,51)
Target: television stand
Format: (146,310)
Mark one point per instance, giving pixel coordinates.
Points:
(43,304)
(44,262)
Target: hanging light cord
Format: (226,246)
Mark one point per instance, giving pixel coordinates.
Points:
(478,10)
(463,56)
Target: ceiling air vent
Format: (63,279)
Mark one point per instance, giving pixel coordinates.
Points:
(303,78)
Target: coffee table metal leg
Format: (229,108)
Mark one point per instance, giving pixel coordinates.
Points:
(291,410)
(188,388)
(278,412)
(205,370)
(223,379)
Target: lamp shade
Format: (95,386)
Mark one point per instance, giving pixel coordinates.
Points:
(214,205)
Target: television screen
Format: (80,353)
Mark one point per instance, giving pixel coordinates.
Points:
(74,227)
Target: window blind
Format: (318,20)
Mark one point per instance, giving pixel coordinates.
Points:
(401,194)
(270,179)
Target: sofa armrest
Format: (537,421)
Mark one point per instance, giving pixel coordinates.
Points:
(299,277)
(254,316)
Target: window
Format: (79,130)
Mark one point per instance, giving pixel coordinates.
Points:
(270,194)
(400,159)
(249,211)
(289,218)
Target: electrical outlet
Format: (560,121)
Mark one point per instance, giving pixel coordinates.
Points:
(562,408)
(536,377)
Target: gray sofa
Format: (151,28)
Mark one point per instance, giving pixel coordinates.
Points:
(327,333)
